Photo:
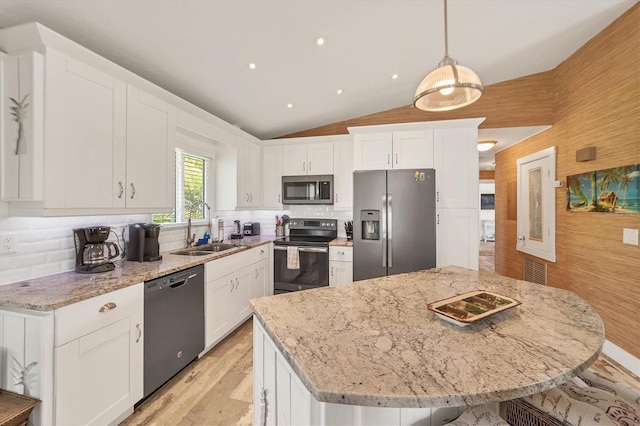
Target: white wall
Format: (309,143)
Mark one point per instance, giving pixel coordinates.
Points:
(486,187)
(44,246)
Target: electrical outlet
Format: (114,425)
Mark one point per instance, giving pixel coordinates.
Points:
(8,242)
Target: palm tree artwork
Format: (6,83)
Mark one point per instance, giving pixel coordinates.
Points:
(615,190)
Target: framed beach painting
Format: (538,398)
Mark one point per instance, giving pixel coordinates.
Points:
(581,192)
(617,189)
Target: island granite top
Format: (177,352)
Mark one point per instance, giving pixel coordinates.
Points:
(374,343)
(55,291)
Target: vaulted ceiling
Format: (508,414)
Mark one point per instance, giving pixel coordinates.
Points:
(201,50)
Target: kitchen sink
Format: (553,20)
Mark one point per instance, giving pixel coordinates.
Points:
(205,250)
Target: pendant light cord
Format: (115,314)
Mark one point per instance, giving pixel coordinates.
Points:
(446,40)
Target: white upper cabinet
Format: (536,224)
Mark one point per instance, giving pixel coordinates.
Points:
(411,149)
(343,175)
(272,176)
(95,145)
(248,183)
(307,159)
(151,132)
(372,151)
(21,131)
(456,164)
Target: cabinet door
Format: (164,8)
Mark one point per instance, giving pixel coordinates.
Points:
(340,273)
(241,171)
(90,134)
(272,177)
(22,87)
(151,130)
(253,174)
(413,149)
(343,175)
(136,357)
(294,160)
(372,151)
(457,170)
(320,158)
(92,383)
(217,299)
(240,309)
(259,279)
(457,238)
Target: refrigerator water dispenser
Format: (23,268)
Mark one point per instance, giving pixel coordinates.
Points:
(370,224)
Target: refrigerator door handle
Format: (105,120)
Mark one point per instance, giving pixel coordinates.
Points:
(390,230)
(383,231)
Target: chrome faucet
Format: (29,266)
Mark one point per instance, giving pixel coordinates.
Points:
(191,238)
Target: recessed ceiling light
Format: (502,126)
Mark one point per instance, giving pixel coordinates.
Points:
(252,66)
(289,105)
(339,91)
(320,41)
(395,76)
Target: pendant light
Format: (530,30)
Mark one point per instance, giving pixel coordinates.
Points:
(450,85)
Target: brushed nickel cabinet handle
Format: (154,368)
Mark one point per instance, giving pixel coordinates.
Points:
(336,197)
(309,165)
(121,189)
(396,158)
(332,271)
(232,285)
(278,198)
(304,166)
(388,158)
(133,190)
(107,307)
(438,219)
(139,333)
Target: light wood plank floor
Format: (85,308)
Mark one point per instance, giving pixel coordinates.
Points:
(217,388)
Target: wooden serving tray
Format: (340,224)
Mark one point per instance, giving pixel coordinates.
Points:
(467,308)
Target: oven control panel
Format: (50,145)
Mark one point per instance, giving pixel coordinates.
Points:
(319,224)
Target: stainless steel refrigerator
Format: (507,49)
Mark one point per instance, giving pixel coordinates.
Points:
(394,226)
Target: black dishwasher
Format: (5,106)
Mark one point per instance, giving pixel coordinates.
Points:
(173,323)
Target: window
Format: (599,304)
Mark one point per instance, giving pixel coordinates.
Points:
(191,187)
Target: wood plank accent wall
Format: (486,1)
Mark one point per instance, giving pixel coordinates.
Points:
(525,101)
(487,174)
(597,104)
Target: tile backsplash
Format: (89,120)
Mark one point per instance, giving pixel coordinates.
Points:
(44,246)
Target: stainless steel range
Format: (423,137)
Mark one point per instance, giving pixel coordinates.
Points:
(301,260)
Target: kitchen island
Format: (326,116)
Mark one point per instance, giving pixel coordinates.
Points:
(371,352)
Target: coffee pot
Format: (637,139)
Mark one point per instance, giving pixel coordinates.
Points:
(93,252)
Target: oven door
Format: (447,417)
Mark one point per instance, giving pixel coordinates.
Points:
(313,272)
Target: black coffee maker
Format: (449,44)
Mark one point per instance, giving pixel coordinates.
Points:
(143,242)
(93,252)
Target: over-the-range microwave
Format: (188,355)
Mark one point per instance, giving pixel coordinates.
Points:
(314,189)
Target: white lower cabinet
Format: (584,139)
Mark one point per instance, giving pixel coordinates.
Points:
(280,397)
(230,283)
(98,358)
(457,238)
(340,265)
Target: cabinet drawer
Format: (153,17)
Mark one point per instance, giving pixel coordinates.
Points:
(342,254)
(259,253)
(82,318)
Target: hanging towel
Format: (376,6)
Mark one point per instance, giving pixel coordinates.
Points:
(293,258)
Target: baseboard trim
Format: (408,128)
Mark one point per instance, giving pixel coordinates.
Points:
(622,357)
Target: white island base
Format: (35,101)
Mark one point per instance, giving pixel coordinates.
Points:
(280,397)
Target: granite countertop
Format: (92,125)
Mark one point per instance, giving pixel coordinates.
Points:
(55,291)
(374,343)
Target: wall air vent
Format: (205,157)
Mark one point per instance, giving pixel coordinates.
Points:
(534,271)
